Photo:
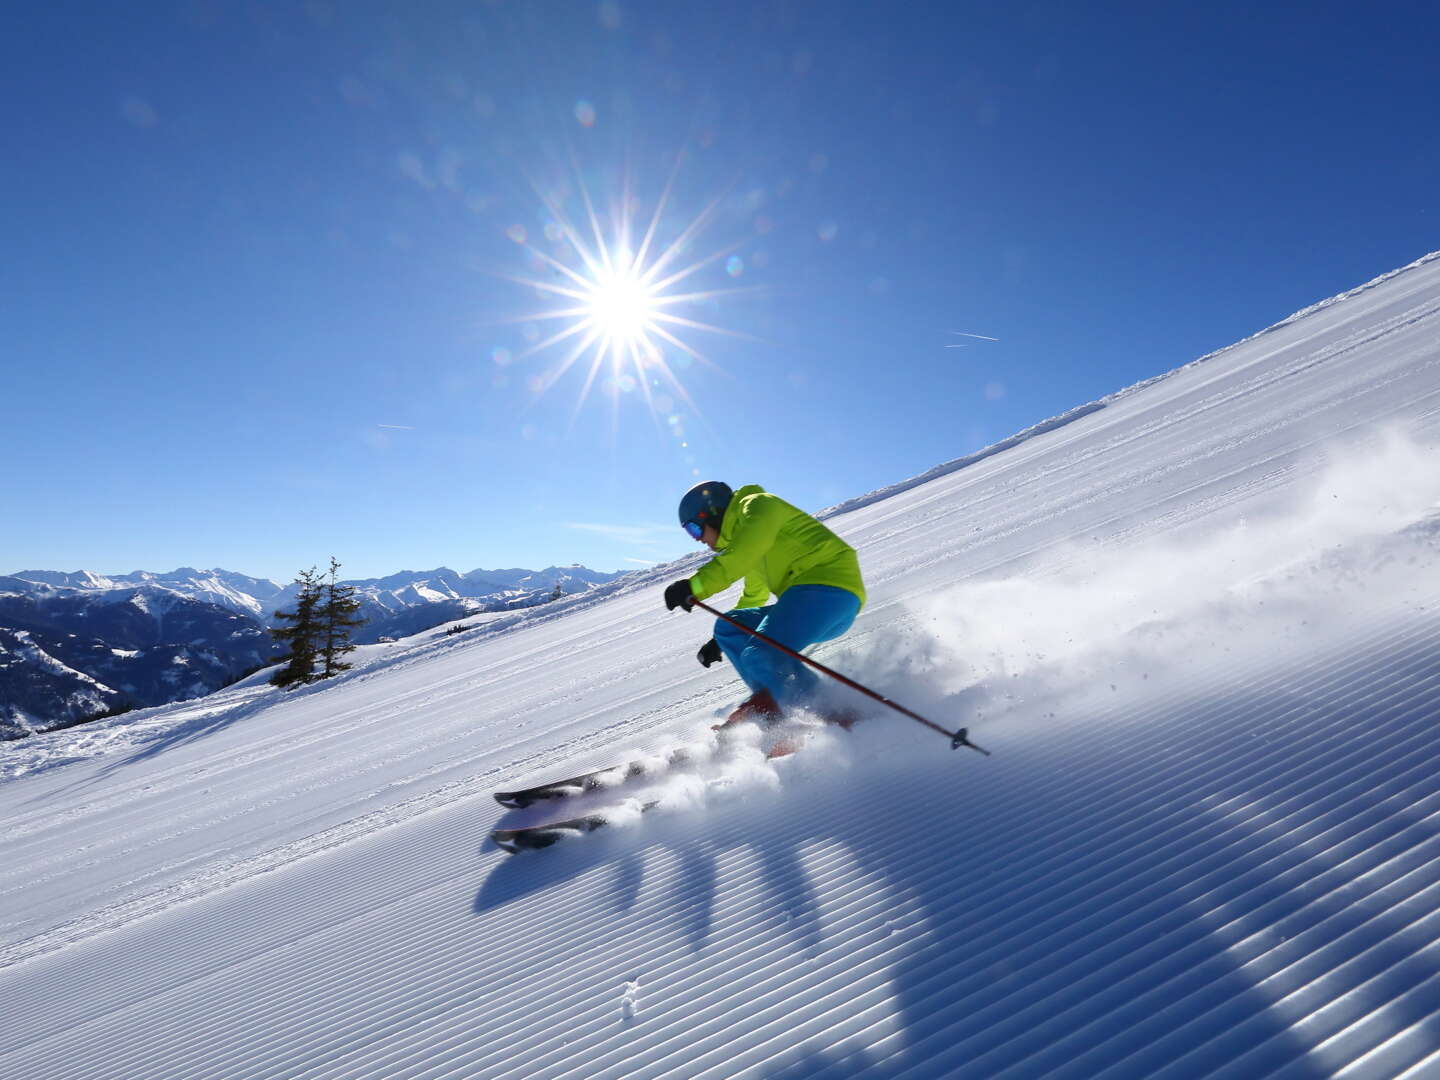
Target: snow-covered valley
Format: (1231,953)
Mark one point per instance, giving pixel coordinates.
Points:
(1196,623)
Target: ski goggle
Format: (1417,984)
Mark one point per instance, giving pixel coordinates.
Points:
(694,529)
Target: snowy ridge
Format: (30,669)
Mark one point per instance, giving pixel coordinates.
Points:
(246,595)
(1196,627)
(1080,411)
(258,598)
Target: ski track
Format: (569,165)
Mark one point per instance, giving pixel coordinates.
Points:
(1198,856)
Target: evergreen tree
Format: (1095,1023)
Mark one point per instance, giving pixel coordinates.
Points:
(301,634)
(337,619)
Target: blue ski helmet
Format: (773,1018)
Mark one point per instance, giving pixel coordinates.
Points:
(704,504)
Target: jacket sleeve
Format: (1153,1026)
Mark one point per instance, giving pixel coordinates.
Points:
(760,520)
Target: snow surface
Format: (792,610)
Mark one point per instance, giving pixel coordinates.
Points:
(1196,623)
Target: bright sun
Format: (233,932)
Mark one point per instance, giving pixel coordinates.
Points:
(622,307)
(622,301)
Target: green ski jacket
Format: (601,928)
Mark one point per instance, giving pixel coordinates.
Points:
(774,545)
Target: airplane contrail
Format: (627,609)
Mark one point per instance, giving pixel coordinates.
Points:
(982,337)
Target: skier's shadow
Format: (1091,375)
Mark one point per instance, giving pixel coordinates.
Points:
(692,886)
(520,876)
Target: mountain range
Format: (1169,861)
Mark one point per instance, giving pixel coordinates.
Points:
(74,646)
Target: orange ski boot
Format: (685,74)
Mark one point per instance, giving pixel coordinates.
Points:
(760,708)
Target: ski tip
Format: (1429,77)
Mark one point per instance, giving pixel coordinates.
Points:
(542,836)
(513,841)
(519,800)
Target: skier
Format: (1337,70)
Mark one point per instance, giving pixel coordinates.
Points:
(776,548)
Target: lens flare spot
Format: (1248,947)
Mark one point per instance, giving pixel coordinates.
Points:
(501,356)
(139,113)
(734,266)
(585,113)
(517,233)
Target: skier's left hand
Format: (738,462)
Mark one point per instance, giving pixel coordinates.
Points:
(710,653)
(679,594)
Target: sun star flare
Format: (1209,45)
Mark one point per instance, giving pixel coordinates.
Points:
(617,301)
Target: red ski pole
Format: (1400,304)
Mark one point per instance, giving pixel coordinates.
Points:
(957,739)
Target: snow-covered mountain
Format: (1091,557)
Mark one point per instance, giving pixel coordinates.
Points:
(68,654)
(78,645)
(1195,624)
(411,601)
(260,597)
(239,592)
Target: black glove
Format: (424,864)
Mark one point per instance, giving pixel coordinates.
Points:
(679,595)
(710,653)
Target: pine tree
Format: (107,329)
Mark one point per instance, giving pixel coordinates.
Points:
(301,636)
(337,619)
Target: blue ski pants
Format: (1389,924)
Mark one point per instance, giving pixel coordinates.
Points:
(804,615)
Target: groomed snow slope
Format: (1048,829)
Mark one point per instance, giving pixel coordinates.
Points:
(1197,626)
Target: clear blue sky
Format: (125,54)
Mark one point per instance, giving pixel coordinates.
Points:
(258,284)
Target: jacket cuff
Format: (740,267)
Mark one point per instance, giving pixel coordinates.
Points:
(697,589)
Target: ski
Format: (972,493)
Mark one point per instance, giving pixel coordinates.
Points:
(535,837)
(595,779)
(586,782)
